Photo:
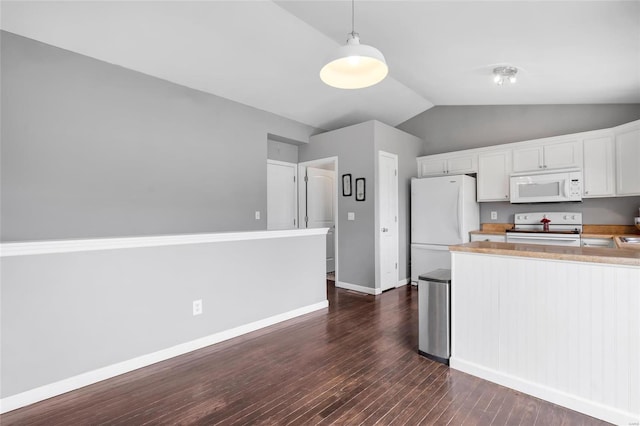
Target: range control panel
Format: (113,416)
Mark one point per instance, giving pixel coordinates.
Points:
(556,218)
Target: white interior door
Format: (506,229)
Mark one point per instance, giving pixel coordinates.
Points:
(388,246)
(320,212)
(282,195)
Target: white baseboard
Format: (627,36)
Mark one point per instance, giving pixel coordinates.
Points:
(358,288)
(403,282)
(72,383)
(573,402)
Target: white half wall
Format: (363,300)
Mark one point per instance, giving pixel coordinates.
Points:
(70,318)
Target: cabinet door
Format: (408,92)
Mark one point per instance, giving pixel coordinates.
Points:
(598,169)
(598,242)
(498,238)
(527,159)
(462,164)
(431,167)
(563,155)
(628,162)
(493,176)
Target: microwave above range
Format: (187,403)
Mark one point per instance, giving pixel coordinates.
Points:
(546,187)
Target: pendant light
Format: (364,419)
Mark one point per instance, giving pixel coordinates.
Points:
(354,65)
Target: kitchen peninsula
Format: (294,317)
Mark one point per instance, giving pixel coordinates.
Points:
(559,323)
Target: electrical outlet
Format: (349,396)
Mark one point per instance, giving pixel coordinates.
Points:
(197,307)
(351,216)
(494,215)
(257,214)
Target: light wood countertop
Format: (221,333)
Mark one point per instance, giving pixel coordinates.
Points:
(613,232)
(615,256)
(493,228)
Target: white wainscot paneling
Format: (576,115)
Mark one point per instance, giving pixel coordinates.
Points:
(566,332)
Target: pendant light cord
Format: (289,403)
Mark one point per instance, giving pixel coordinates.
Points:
(353,18)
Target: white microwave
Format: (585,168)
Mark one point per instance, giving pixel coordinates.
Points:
(546,187)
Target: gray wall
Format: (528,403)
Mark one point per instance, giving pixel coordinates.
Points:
(90,149)
(282,151)
(357,149)
(69,313)
(595,211)
(353,146)
(454,128)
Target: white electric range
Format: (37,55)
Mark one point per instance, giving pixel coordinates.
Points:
(564,229)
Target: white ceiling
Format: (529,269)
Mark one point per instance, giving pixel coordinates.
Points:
(268,54)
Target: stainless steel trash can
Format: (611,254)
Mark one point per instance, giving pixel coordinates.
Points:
(434,315)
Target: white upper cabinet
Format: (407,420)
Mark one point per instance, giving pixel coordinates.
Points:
(494,169)
(438,165)
(462,164)
(598,166)
(431,166)
(609,160)
(553,155)
(528,158)
(628,159)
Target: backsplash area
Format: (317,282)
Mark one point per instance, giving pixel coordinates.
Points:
(606,211)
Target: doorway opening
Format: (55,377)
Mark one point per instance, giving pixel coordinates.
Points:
(318,204)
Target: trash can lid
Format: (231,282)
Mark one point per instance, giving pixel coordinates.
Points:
(437,276)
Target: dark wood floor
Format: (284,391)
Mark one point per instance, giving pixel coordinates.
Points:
(356,364)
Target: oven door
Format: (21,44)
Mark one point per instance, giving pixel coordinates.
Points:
(544,239)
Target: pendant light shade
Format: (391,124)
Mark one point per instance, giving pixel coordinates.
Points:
(354,66)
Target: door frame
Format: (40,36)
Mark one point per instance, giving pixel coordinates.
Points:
(377,223)
(297,191)
(302,200)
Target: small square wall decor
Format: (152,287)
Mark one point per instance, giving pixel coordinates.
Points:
(360,189)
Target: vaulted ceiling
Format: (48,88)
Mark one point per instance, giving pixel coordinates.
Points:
(268,54)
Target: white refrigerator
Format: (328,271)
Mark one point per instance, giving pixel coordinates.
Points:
(443,212)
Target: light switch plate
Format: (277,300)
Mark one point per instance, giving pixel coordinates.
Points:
(351,216)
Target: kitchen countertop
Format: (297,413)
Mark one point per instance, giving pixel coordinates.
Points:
(493,228)
(615,256)
(614,232)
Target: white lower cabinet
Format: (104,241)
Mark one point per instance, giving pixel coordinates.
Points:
(598,242)
(493,176)
(498,238)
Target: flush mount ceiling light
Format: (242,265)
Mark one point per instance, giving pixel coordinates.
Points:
(354,65)
(504,74)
